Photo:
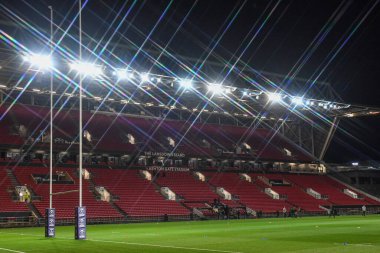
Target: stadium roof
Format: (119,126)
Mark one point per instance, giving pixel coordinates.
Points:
(160,90)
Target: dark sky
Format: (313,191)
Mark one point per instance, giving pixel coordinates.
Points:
(333,41)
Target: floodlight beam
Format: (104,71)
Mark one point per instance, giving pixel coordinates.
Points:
(215,88)
(186,83)
(274,97)
(86,69)
(39,61)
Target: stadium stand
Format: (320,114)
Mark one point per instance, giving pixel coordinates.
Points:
(249,193)
(68,199)
(295,195)
(329,187)
(214,146)
(138,197)
(150,134)
(7,204)
(189,188)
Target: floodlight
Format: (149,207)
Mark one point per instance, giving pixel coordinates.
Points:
(121,74)
(228,90)
(144,77)
(38,60)
(245,93)
(215,88)
(86,68)
(131,75)
(274,97)
(297,100)
(186,83)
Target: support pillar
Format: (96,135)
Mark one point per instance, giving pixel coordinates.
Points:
(329,137)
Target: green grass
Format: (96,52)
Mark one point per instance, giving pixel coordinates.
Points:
(317,234)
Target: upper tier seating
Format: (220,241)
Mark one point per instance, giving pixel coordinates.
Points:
(6,135)
(109,134)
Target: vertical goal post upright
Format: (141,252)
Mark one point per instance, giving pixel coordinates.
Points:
(50,213)
(80,211)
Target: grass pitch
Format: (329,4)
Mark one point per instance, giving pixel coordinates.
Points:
(317,234)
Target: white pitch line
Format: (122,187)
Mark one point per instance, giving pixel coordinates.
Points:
(11,250)
(363,244)
(23,234)
(136,244)
(164,246)
(356,244)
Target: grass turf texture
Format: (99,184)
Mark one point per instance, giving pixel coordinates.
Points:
(317,234)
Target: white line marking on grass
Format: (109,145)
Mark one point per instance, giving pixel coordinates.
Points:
(163,246)
(132,243)
(11,250)
(23,234)
(363,244)
(355,244)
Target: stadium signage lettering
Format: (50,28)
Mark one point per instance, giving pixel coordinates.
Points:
(63,141)
(160,168)
(164,154)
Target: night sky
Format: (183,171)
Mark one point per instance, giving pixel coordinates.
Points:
(332,41)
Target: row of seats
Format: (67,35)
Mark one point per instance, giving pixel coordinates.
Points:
(67,196)
(140,197)
(6,202)
(109,133)
(294,195)
(327,186)
(249,193)
(185,185)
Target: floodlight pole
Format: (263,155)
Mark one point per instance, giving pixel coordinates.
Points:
(50,212)
(80,211)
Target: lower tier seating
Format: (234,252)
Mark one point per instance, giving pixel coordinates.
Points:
(249,193)
(185,185)
(6,202)
(327,186)
(69,199)
(138,197)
